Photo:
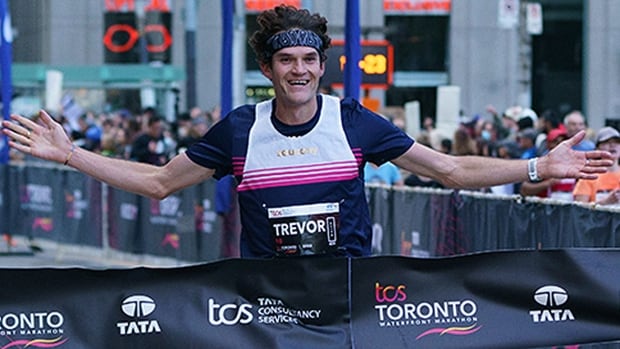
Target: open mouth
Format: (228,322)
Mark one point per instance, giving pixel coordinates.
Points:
(298,82)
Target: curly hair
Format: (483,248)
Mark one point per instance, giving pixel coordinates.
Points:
(282,18)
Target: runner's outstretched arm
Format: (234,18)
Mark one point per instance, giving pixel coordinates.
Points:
(468,172)
(48,140)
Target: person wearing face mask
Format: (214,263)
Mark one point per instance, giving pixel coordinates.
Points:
(486,135)
(605,190)
(487,139)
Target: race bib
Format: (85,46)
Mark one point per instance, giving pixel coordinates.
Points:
(305,229)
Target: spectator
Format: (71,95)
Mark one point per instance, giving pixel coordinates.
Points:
(526,139)
(113,139)
(527,143)
(195,112)
(463,144)
(399,122)
(487,139)
(183,124)
(197,129)
(549,120)
(386,173)
(415,180)
(150,146)
(215,115)
(527,118)
(89,134)
(605,190)
(575,122)
(506,124)
(506,149)
(555,188)
(446,146)
(428,128)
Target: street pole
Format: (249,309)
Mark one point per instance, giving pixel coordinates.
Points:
(239,44)
(190,53)
(524,59)
(352,72)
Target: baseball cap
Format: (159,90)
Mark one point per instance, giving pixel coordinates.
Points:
(528,133)
(513,112)
(607,133)
(518,112)
(529,113)
(555,133)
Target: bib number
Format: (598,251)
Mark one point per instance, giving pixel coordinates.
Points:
(305,229)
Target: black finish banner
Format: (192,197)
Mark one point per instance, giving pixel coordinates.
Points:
(521,299)
(299,303)
(488,300)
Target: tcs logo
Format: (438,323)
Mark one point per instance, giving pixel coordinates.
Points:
(229,314)
(390,293)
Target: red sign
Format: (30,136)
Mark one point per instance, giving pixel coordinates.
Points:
(121,37)
(120,5)
(133,35)
(130,5)
(126,30)
(262,5)
(417,6)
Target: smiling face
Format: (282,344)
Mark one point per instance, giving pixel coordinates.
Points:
(295,73)
(574,122)
(612,146)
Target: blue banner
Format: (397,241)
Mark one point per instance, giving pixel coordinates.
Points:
(5,70)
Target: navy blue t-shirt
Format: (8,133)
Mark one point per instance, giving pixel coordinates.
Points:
(370,136)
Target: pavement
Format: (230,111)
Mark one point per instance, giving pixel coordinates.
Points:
(22,253)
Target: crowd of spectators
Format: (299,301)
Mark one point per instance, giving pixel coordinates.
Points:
(517,132)
(520,133)
(144,137)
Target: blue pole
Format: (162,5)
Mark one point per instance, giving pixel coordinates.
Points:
(6,54)
(352,50)
(223,195)
(227,44)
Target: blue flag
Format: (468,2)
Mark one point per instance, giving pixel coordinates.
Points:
(223,198)
(5,71)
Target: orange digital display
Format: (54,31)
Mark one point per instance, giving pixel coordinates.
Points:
(376,63)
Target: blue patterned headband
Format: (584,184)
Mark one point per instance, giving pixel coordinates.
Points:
(294,37)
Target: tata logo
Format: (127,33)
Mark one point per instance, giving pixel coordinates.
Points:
(552,298)
(138,307)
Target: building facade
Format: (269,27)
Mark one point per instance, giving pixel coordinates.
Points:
(572,64)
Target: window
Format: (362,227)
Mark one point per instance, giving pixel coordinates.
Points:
(250,27)
(420,42)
